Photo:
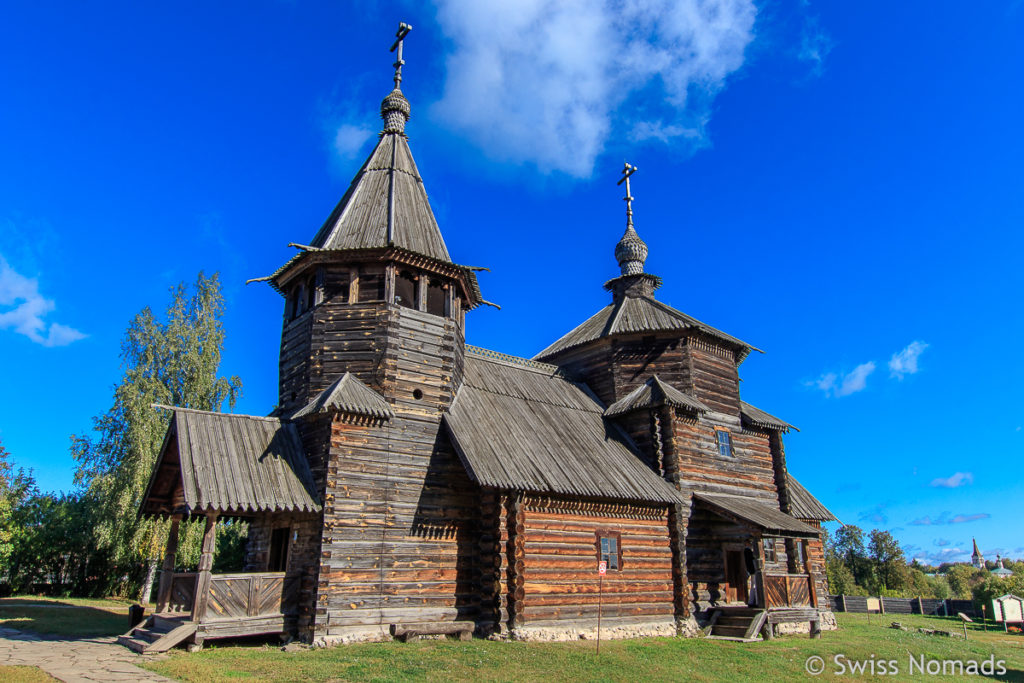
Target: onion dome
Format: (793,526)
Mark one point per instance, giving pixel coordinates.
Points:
(631,252)
(395,111)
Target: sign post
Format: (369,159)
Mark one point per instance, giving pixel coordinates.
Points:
(602,567)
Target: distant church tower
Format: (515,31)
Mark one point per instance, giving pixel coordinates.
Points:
(976,558)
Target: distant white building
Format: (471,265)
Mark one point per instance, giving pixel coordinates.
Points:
(977,559)
(1001,571)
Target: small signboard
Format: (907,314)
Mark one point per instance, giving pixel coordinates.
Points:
(602,567)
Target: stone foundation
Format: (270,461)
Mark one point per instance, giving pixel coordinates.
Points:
(828,623)
(608,632)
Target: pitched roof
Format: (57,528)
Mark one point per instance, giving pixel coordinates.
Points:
(387,190)
(347,395)
(765,517)
(233,464)
(758,418)
(652,394)
(803,505)
(636,314)
(522,425)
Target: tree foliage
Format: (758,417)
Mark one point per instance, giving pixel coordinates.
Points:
(173,362)
(888,564)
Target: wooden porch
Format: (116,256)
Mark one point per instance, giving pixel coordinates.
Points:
(194,606)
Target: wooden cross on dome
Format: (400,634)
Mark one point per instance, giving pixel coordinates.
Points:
(627,171)
(403,31)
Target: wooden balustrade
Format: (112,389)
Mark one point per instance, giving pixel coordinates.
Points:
(788,590)
(240,596)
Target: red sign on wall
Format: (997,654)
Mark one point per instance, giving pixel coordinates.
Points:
(602,567)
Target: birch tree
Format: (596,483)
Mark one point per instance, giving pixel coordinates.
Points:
(173,361)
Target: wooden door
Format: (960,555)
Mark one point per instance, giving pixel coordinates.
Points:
(735,576)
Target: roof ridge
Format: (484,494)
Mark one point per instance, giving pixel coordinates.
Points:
(164,406)
(516,361)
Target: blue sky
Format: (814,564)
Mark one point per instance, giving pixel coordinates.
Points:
(837,183)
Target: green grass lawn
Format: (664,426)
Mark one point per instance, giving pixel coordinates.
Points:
(65,616)
(24,674)
(650,659)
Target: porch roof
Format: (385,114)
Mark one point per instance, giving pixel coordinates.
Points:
(763,516)
(231,464)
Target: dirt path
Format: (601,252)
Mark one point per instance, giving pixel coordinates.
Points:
(74,659)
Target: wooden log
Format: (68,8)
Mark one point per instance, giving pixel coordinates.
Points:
(167,571)
(205,568)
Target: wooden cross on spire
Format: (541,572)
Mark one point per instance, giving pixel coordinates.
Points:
(627,171)
(403,31)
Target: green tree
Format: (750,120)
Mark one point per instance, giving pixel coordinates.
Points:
(15,488)
(175,362)
(962,578)
(848,547)
(888,561)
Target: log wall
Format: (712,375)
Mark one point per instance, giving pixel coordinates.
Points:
(401,527)
(303,554)
(750,472)
(555,584)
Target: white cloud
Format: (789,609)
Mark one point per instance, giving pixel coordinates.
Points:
(550,83)
(815,44)
(945,518)
(22,308)
(349,140)
(835,386)
(953,481)
(904,362)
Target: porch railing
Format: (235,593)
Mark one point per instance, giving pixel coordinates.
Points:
(788,590)
(234,596)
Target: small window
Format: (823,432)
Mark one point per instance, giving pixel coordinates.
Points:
(295,302)
(336,289)
(436,296)
(800,553)
(769,550)
(278,550)
(371,286)
(724,441)
(609,549)
(310,294)
(405,289)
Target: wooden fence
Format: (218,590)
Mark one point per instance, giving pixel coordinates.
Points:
(863,604)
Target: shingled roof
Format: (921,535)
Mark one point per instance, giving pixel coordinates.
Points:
(803,505)
(348,395)
(758,418)
(769,519)
(387,188)
(232,464)
(652,394)
(522,425)
(638,314)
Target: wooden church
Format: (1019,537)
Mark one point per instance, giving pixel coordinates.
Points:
(409,484)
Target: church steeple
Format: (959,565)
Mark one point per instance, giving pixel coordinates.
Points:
(631,253)
(395,108)
(977,559)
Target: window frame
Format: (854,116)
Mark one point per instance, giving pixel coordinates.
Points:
(278,552)
(769,549)
(609,534)
(723,437)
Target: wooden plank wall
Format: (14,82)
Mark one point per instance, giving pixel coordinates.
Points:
(705,560)
(559,574)
(816,557)
(303,556)
(401,520)
(749,473)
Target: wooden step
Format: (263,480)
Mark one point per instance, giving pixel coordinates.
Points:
(731,631)
(147,639)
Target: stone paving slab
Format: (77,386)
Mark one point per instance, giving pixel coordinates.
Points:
(75,660)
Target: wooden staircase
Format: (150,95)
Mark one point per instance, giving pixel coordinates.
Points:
(736,623)
(158,633)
